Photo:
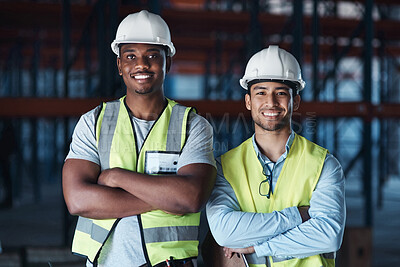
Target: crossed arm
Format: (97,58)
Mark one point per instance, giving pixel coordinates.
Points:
(117,193)
(234,228)
(281,233)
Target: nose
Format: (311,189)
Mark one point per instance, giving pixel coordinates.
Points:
(142,63)
(270,100)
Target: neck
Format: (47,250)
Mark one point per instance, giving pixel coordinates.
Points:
(272,143)
(146,107)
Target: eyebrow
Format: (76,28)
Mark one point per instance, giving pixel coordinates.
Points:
(260,87)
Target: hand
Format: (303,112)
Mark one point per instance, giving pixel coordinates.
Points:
(107,177)
(304,213)
(229,252)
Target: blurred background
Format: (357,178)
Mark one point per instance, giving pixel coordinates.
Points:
(56,64)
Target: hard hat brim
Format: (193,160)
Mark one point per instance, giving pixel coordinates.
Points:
(115,46)
(245,81)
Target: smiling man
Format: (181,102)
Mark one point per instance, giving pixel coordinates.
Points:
(278,198)
(139,168)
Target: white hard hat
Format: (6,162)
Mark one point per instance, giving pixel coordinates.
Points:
(273,63)
(145,28)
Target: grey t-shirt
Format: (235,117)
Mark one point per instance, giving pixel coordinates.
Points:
(124,246)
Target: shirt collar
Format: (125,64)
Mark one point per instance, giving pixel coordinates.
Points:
(289,143)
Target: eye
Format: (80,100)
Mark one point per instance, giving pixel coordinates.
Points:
(260,93)
(130,56)
(282,93)
(153,56)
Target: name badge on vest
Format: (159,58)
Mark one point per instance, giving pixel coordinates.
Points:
(161,162)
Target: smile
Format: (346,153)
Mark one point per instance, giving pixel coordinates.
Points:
(270,114)
(141,76)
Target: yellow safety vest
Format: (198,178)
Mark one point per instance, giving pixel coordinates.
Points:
(243,171)
(163,235)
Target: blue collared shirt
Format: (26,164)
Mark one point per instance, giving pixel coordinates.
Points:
(282,233)
(274,167)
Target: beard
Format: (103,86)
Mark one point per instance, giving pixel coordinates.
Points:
(273,126)
(144,91)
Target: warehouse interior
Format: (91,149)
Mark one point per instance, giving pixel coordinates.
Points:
(56,64)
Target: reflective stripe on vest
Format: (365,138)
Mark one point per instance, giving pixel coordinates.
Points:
(170,233)
(304,157)
(90,236)
(96,232)
(165,235)
(105,134)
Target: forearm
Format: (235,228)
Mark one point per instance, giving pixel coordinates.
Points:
(148,188)
(101,202)
(85,197)
(233,228)
(313,237)
(324,231)
(183,193)
(237,229)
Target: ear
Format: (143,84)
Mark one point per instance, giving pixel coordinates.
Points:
(247,100)
(119,66)
(296,102)
(168,63)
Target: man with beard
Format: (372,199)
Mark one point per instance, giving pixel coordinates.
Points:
(279,198)
(140,168)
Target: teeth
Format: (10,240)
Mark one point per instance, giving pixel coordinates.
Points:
(141,76)
(270,114)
